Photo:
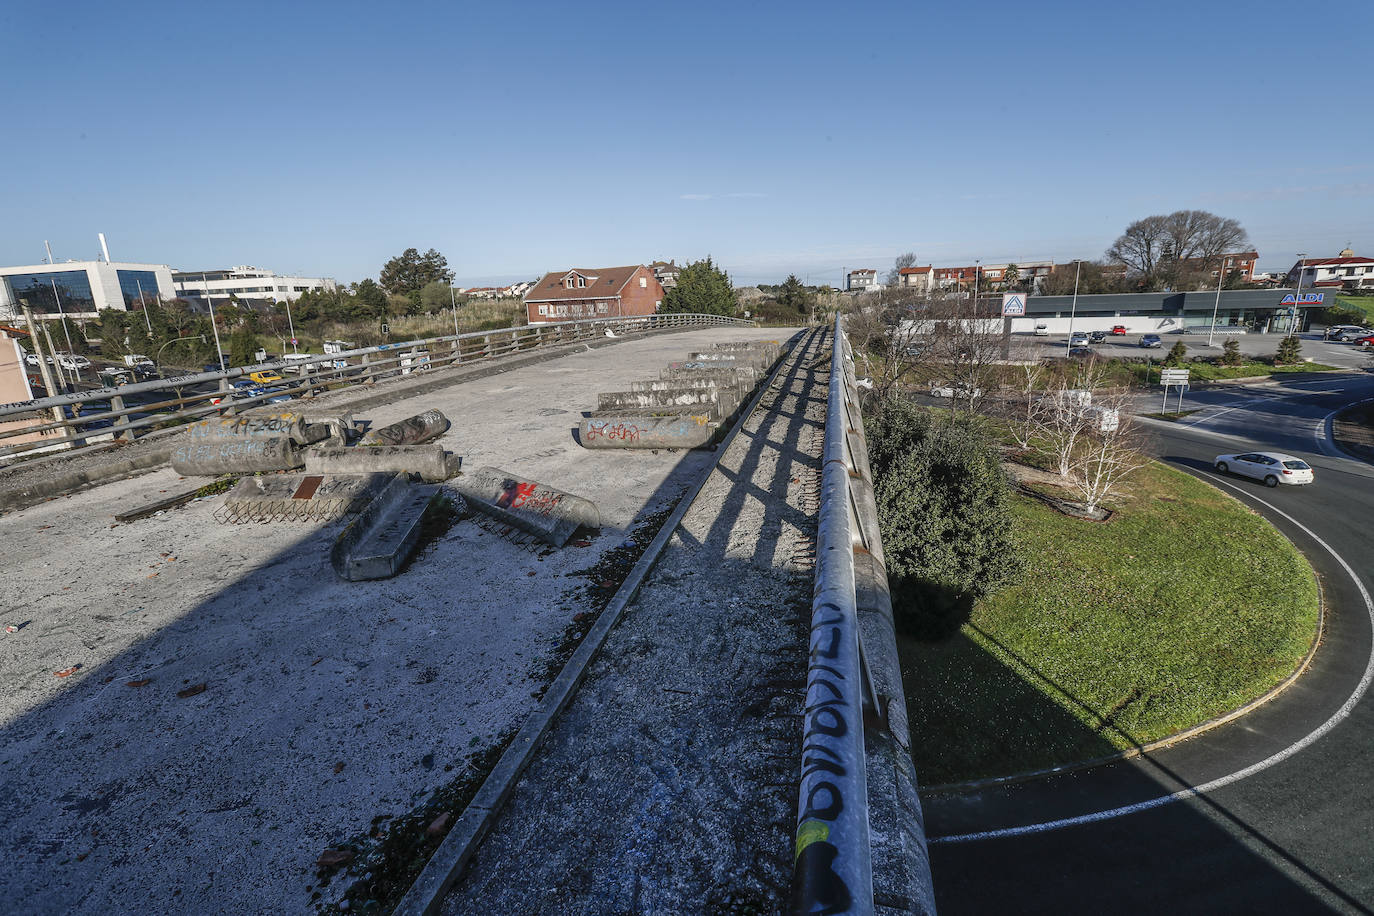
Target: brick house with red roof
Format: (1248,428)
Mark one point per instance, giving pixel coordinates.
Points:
(1343,271)
(605,292)
(919,278)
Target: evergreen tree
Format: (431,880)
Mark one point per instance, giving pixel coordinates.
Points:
(1231,355)
(1177,354)
(702,288)
(1290,351)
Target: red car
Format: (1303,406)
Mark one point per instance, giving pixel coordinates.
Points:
(1119,330)
(1365,341)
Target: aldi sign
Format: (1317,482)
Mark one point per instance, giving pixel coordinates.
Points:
(1302,299)
(1013,305)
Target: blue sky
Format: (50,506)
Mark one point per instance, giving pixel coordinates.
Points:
(799,137)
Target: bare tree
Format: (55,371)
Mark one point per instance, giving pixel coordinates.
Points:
(884,347)
(1161,249)
(894,276)
(1107,453)
(1024,410)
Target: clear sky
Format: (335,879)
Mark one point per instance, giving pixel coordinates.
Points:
(801,137)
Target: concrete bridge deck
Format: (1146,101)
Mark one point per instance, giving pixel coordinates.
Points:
(191,713)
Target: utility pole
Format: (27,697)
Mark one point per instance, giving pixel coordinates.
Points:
(1073,306)
(1293,315)
(43,369)
(1221,273)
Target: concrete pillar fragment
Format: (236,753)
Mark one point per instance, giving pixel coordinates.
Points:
(547,513)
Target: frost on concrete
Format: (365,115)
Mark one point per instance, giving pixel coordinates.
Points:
(325,704)
(669,784)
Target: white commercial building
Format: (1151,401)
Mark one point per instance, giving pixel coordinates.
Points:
(247,284)
(82,288)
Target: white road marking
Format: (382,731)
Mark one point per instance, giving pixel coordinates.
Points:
(1221,782)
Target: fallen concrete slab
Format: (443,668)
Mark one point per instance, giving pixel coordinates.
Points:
(549,514)
(299,497)
(378,542)
(292,426)
(338,423)
(676,395)
(430,461)
(204,457)
(641,430)
(411,431)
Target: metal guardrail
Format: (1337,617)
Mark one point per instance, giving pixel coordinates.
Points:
(359,366)
(856,747)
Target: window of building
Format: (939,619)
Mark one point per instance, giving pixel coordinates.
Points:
(138,287)
(73,291)
(601,308)
(581,282)
(643,282)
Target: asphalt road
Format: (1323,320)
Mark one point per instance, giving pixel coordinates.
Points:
(1278,807)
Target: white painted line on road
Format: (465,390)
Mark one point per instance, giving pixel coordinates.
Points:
(1336,718)
(1325,434)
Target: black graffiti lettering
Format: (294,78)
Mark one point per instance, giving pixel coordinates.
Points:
(834,802)
(835,727)
(812,765)
(833,651)
(832,687)
(817,889)
(818,617)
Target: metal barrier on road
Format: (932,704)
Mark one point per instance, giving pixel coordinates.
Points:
(334,370)
(856,771)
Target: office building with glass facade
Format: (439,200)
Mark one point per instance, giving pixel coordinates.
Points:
(245,284)
(82,288)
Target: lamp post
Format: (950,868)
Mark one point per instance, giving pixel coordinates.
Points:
(219,351)
(1293,315)
(453,301)
(1217,304)
(143,304)
(1073,305)
(291,326)
(157,357)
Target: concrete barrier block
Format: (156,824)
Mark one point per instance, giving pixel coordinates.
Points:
(430,461)
(744,376)
(378,542)
(633,430)
(549,514)
(297,497)
(676,395)
(411,431)
(211,457)
(251,426)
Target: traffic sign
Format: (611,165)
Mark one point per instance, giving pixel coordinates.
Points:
(1013,305)
(1173,377)
(294,341)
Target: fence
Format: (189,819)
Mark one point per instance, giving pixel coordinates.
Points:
(70,430)
(859,827)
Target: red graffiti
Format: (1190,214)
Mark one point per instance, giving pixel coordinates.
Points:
(622,431)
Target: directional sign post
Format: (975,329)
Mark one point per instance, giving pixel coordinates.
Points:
(1013,305)
(1169,377)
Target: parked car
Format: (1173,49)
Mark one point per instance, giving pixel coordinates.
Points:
(950,391)
(1042,330)
(266,376)
(1082,351)
(1352,333)
(1151,341)
(1097,336)
(136,361)
(1273,468)
(1365,341)
(116,378)
(1118,330)
(72,361)
(31,359)
(1078,339)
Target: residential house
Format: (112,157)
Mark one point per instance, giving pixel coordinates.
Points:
(955,277)
(666,273)
(861,281)
(921,279)
(1343,271)
(1029,274)
(605,292)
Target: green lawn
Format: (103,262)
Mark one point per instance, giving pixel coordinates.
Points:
(1183,606)
(1208,371)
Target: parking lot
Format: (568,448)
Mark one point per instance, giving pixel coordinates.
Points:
(1329,353)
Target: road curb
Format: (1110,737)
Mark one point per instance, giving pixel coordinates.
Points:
(76,481)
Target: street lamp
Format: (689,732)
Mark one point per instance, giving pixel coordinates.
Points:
(1073,306)
(1221,273)
(219,351)
(1293,313)
(157,357)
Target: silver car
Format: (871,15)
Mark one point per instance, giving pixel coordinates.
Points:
(1273,468)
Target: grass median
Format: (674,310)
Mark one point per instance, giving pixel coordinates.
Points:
(1182,607)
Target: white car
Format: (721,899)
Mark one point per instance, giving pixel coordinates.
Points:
(70,361)
(1273,468)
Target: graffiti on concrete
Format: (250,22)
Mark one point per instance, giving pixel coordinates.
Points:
(520,494)
(824,771)
(612,430)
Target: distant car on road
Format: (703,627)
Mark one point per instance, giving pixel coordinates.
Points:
(1118,330)
(1151,340)
(1097,336)
(1273,468)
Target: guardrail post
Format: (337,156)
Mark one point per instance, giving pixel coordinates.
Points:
(486,345)
(127,435)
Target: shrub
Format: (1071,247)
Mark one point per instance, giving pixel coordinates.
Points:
(1177,354)
(945,519)
(1290,351)
(1230,353)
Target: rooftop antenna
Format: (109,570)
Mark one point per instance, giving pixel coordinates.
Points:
(103,247)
